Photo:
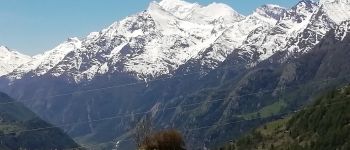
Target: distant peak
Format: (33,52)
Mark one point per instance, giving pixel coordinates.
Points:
(307,3)
(92,35)
(273,6)
(221,6)
(223,10)
(305,6)
(5,50)
(73,39)
(3,47)
(178,8)
(271,11)
(194,11)
(267,7)
(174,3)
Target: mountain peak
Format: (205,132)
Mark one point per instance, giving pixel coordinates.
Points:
(271,11)
(222,7)
(73,39)
(178,8)
(200,14)
(9,60)
(1,46)
(337,10)
(272,6)
(217,11)
(3,49)
(306,4)
(304,8)
(173,3)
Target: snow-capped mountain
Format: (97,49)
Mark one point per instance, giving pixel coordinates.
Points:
(290,24)
(201,14)
(151,43)
(173,33)
(337,10)
(42,63)
(172,38)
(9,60)
(297,31)
(236,35)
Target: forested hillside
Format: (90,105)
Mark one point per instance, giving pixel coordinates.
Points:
(325,125)
(22,129)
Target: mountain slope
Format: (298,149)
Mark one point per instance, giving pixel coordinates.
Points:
(321,126)
(154,60)
(230,94)
(10,60)
(16,121)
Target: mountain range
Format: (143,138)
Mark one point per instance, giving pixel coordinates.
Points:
(173,33)
(175,54)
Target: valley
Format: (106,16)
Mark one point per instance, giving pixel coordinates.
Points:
(206,71)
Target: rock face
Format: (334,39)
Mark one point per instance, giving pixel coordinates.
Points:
(177,53)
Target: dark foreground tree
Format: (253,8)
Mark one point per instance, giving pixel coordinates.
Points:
(164,140)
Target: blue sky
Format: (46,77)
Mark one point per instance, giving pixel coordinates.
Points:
(34,26)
